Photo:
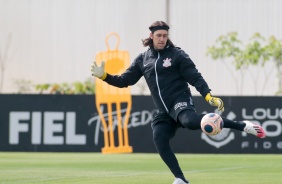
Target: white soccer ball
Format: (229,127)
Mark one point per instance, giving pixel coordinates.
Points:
(212,124)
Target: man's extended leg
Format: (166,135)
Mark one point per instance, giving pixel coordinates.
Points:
(189,119)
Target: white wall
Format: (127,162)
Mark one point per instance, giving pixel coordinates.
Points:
(55,41)
(197,24)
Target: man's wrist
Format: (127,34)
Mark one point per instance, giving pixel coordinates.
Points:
(103,76)
(208,97)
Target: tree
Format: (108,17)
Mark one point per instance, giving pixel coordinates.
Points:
(228,46)
(274,51)
(254,54)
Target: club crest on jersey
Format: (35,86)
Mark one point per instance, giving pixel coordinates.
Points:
(167,62)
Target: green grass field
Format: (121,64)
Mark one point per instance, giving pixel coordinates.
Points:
(137,168)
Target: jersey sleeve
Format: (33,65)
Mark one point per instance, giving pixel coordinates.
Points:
(190,73)
(129,77)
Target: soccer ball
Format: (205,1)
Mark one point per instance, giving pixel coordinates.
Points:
(212,124)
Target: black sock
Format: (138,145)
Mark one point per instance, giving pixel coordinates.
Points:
(237,125)
(191,120)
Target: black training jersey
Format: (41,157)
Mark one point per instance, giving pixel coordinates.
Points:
(167,73)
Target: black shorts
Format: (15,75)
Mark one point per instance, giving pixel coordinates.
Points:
(162,117)
(181,103)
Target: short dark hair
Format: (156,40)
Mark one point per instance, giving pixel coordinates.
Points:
(153,27)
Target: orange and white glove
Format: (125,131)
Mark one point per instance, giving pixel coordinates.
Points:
(214,101)
(98,71)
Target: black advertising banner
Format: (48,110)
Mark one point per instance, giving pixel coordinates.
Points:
(70,123)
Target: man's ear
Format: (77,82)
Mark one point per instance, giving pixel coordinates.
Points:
(151,35)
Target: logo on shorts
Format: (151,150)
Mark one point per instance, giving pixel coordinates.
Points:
(167,62)
(180,105)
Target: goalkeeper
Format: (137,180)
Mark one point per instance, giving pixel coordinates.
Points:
(169,71)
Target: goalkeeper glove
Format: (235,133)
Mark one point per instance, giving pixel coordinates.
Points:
(214,101)
(98,71)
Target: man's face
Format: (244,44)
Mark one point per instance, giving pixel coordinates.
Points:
(160,38)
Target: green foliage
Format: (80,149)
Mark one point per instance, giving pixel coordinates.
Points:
(274,49)
(87,87)
(42,87)
(23,86)
(225,46)
(229,46)
(256,52)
